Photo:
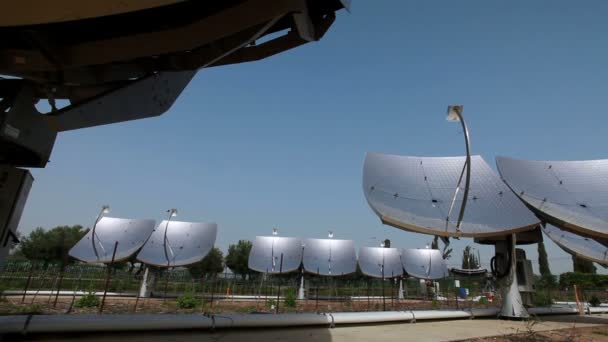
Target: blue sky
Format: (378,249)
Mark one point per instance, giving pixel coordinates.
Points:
(281,142)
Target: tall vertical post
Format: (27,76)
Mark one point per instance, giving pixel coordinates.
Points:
(105,288)
(27,284)
(392,291)
(279,287)
(317,294)
(383,297)
(64,262)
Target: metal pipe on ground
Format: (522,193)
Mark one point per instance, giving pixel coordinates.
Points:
(145,322)
(130,322)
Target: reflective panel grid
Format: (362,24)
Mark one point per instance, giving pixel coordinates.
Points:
(329,257)
(380,262)
(416,193)
(130,234)
(265,254)
(178,243)
(569,194)
(424,263)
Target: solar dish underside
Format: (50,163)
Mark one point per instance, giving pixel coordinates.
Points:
(469,272)
(329,257)
(569,194)
(583,247)
(380,262)
(415,194)
(265,255)
(187,243)
(424,263)
(130,234)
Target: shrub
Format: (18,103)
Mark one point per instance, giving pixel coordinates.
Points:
(541,299)
(290,298)
(435,304)
(87,301)
(270,303)
(594,301)
(483,300)
(187,301)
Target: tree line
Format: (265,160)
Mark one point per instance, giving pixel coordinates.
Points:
(45,247)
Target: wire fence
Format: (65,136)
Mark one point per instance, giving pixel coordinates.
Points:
(30,283)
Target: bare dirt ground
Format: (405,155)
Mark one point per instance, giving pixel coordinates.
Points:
(561,335)
(554,328)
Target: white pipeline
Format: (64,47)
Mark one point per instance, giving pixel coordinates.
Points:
(91,323)
(145,322)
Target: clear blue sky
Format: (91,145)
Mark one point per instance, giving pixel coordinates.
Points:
(281,142)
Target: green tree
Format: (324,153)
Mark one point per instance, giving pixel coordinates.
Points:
(581,265)
(51,246)
(238,258)
(469,259)
(213,263)
(547,280)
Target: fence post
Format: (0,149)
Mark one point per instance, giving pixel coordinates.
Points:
(109,273)
(27,284)
(279,288)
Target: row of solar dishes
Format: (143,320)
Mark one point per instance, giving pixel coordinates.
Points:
(170,244)
(419,194)
(334,257)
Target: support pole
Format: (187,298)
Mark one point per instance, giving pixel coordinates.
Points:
(27,284)
(317,294)
(368,302)
(108,276)
(144,289)
(279,287)
(383,297)
(64,263)
(512,305)
(400,295)
(301,290)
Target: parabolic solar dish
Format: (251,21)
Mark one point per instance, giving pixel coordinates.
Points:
(415,194)
(583,247)
(424,263)
(130,234)
(329,257)
(569,194)
(374,260)
(265,255)
(186,243)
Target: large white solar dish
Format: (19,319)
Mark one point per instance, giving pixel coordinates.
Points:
(424,263)
(186,243)
(380,262)
(130,234)
(265,254)
(329,257)
(569,194)
(416,193)
(583,247)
